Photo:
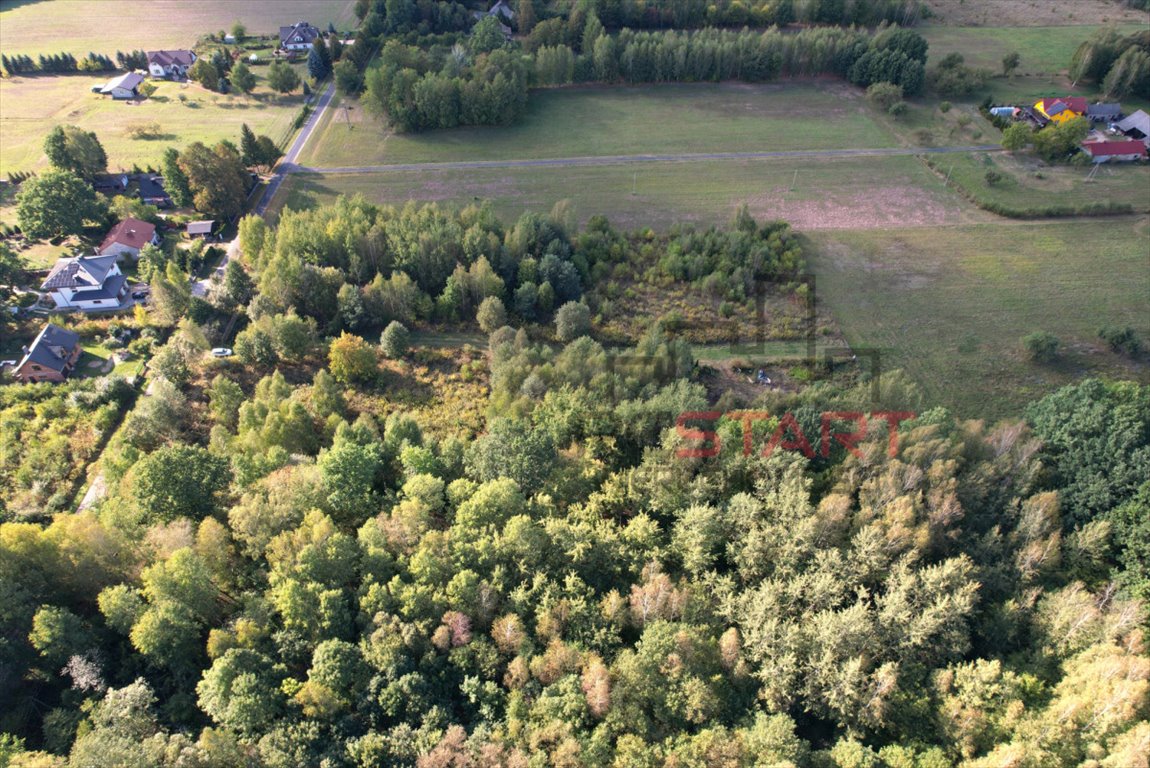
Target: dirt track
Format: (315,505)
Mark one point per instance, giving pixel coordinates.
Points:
(625,159)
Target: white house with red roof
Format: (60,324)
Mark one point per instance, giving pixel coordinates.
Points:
(127,238)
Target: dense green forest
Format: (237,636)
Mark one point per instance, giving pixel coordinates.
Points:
(484,80)
(349,549)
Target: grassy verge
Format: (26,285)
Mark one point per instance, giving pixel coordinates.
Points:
(949,306)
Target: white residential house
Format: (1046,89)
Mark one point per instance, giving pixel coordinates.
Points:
(123,87)
(173,65)
(298,37)
(127,238)
(87,282)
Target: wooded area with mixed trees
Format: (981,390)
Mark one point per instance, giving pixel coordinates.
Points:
(297,563)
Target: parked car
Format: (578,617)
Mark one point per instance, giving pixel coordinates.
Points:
(140,294)
(222,352)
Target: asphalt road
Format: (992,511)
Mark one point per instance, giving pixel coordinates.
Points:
(624,159)
(287,163)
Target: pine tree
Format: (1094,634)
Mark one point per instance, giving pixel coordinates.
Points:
(319,60)
(175,180)
(526,16)
(249,147)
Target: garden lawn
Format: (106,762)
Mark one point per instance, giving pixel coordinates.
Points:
(33,105)
(105,26)
(618,120)
(950,305)
(810,193)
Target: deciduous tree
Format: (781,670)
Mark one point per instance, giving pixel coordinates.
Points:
(57,203)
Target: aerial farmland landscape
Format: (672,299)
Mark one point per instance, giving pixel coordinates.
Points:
(583,383)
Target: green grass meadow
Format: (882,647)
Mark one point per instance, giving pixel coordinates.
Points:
(578,122)
(842,192)
(36,27)
(949,305)
(1043,50)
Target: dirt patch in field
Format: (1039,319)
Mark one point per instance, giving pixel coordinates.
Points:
(1032,13)
(879,208)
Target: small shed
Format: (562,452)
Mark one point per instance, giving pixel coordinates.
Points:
(200,228)
(1137,126)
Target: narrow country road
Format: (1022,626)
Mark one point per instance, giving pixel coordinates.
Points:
(285,166)
(624,159)
(287,163)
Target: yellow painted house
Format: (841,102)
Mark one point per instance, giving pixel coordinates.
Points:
(1060,110)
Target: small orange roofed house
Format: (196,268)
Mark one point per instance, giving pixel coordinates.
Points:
(1062,108)
(127,238)
(51,357)
(1115,151)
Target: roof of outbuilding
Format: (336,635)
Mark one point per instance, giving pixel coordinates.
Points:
(200,227)
(1139,120)
(1104,109)
(1108,148)
(128,81)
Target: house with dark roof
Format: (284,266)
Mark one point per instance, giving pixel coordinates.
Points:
(1104,113)
(152,192)
(123,87)
(50,357)
(500,9)
(1126,151)
(110,183)
(173,65)
(127,238)
(87,282)
(298,37)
